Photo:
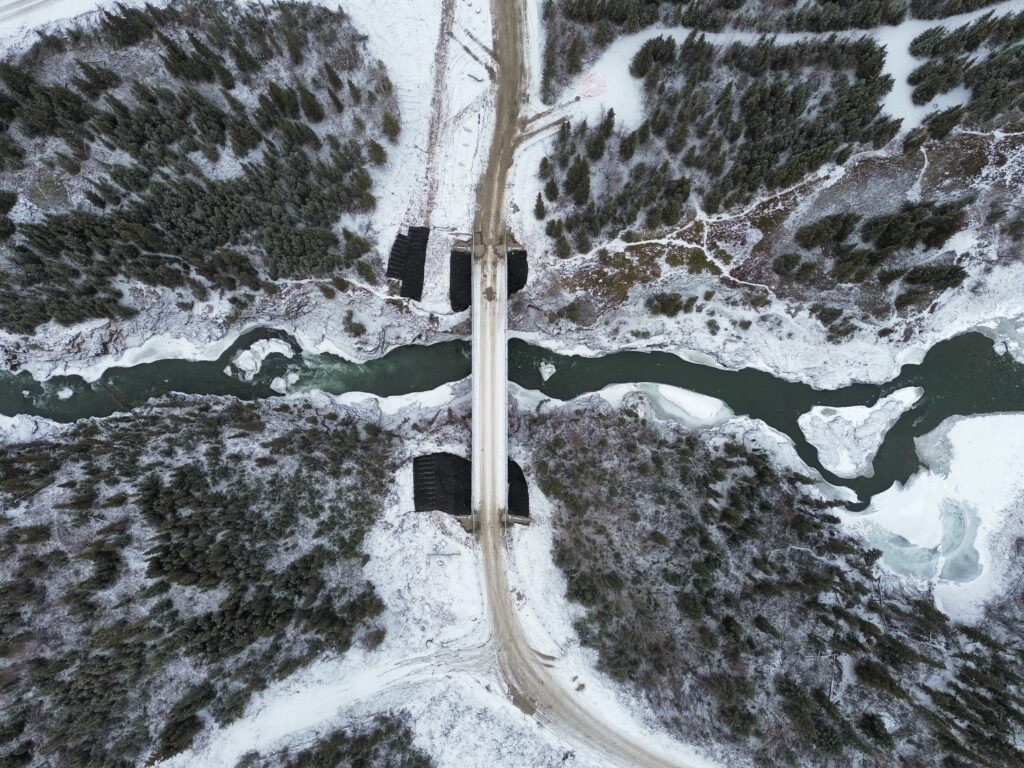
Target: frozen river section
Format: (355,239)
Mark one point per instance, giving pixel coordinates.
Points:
(959,377)
(834,431)
(956,521)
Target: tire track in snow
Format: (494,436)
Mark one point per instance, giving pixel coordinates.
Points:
(437,103)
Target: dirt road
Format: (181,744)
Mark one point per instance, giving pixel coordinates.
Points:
(524,671)
(437,107)
(12,10)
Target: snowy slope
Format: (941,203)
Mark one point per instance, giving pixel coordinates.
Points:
(437,57)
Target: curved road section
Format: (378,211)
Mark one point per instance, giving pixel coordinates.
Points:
(524,671)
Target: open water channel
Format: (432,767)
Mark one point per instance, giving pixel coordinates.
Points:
(961,376)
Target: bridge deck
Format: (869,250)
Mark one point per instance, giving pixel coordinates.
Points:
(490,378)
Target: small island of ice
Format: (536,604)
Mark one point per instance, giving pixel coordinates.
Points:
(247,362)
(847,439)
(662,401)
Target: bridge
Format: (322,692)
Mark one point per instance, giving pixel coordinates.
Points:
(489,454)
(525,673)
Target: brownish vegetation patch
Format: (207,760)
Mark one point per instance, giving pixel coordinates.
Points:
(693,258)
(610,277)
(956,163)
(768,217)
(732,236)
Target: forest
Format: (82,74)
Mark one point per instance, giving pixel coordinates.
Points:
(578,30)
(385,743)
(740,129)
(880,252)
(987,58)
(716,586)
(200,146)
(727,122)
(162,567)
(722,124)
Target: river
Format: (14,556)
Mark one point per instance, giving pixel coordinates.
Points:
(961,376)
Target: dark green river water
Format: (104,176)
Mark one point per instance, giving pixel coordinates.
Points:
(961,376)
(401,371)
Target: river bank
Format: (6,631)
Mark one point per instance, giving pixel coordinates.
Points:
(962,376)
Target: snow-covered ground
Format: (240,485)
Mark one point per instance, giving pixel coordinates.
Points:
(955,522)
(430,178)
(20,18)
(410,189)
(785,340)
(847,439)
(425,567)
(435,662)
(23,428)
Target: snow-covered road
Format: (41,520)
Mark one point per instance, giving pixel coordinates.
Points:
(524,671)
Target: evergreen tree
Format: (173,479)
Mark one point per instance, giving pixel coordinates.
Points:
(391,127)
(577,181)
(7,201)
(310,106)
(355,93)
(378,155)
(608,124)
(562,247)
(332,76)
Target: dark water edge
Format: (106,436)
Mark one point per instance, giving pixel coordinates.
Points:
(414,368)
(960,376)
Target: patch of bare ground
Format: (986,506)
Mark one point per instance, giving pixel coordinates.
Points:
(958,163)
(871,183)
(768,216)
(729,239)
(610,276)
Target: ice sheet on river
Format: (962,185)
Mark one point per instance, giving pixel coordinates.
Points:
(847,439)
(954,522)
